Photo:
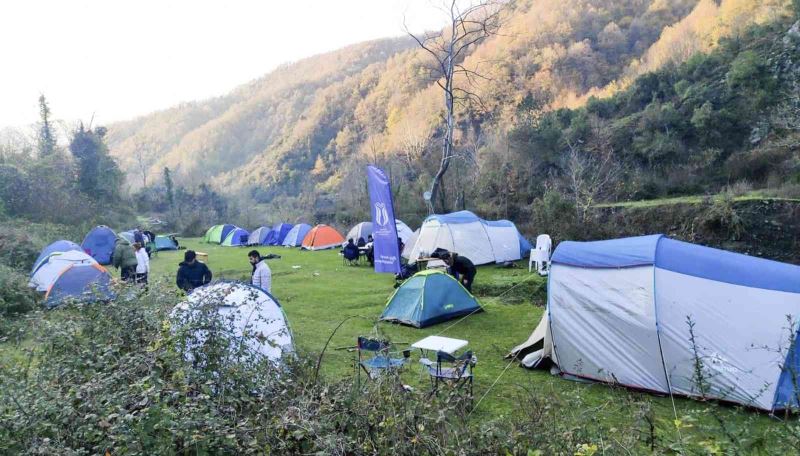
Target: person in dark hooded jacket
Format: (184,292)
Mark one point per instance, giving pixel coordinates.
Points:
(192,273)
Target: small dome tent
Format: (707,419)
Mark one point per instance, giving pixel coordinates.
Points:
(278,233)
(236,237)
(427,298)
(295,236)
(639,295)
(258,236)
(84,282)
(464,233)
(164,243)
(99,244)
(360,230)
(242,309)
(58,246)
(53,265)
(217,233)
(322,237)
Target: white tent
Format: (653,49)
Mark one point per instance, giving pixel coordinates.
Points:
(242,309)
(403,231)
(464,233)
(53,265)
(626,311)
(360,230)
(410,243)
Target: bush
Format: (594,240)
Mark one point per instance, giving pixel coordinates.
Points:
(15,296)
(18,249)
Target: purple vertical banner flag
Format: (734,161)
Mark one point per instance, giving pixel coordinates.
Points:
(384,230)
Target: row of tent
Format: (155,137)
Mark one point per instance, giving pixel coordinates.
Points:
(99,243)
(302,235)
(481,241)
(65,270)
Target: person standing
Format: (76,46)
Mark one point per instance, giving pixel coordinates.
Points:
(142,263)
(138,236)
(192,273)
(262,274)
(124,259)
(462,269)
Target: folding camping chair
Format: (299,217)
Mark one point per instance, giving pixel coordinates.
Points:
(382,361)
(540,255)
(454,371)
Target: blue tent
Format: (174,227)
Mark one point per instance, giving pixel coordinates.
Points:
(259,236)
(626,311)
(427,298)
(58,246)
(295,236)
(237,237)
(278,234)
(165,243)
(99,244)
(87,282)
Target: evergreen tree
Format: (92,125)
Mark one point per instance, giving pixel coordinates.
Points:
(46,137)
(99,176)
(169,187)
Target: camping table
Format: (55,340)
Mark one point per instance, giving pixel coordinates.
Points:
(439,343)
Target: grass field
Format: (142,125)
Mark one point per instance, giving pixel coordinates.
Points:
(318,292)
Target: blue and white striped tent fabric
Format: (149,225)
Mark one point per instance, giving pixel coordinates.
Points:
(620,311)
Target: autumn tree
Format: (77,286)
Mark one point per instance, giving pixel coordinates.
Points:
(469,23)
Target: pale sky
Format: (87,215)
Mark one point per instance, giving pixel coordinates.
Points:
(120,59)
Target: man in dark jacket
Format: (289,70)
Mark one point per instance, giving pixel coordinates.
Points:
(192,273)
(462,269)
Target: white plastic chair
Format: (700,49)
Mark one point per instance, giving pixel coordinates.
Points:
(540,255)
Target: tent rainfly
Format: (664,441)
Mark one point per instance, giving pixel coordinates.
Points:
(164,243)
(99,244)
(218,233)
(295,236)
(52,266)
(58,246)
(322,237)
(277,234)
(237,237)
(404,232)
(360,230)
(258,236)
(84,282)
(464,233)
(627,310)
(242,309)
(427,298)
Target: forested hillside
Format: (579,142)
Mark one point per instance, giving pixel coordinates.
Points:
(597,100)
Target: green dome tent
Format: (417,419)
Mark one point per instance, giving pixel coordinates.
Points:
(427,298)
(217,233)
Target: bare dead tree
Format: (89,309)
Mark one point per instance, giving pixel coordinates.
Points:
(589,176)
(469,23)
(414,142)
(140,148)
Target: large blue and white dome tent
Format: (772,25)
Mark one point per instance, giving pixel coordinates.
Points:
(640,311)
(468,235)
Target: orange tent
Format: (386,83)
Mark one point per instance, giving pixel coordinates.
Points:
(322,237)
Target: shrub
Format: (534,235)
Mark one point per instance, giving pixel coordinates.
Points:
(15,296)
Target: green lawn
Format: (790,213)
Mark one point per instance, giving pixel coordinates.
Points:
(322,292)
